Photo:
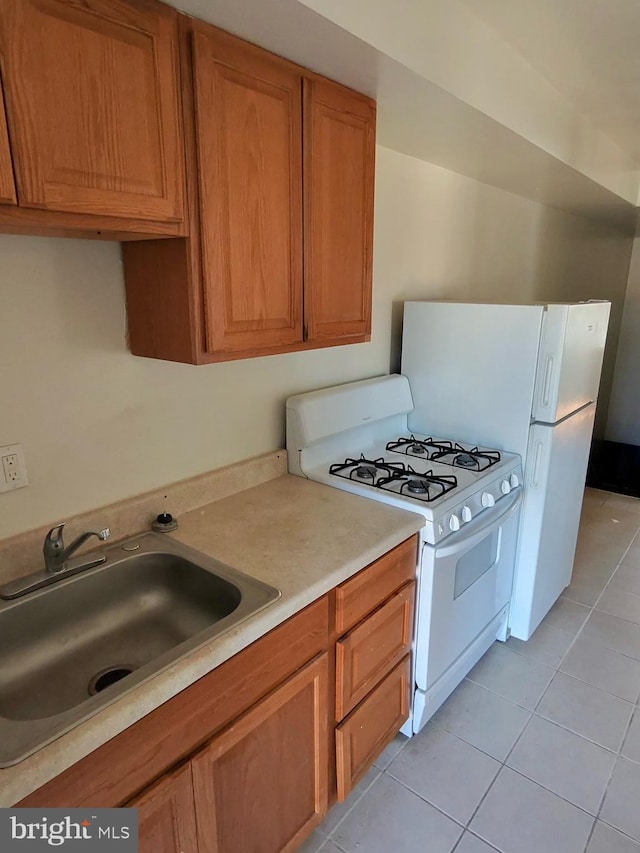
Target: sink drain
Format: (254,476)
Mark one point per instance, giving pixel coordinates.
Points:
(106,677)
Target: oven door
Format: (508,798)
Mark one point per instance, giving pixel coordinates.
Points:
(465,582)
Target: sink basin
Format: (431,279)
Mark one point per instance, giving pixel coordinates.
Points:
(74,647)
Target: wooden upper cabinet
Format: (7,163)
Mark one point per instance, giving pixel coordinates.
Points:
(91,89)
(339,152)
(166,815)
(249,144)
(7,187)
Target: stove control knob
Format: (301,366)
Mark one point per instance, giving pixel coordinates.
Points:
(514,480)
(454,522)
(487,499)
(467,515)
(505,487)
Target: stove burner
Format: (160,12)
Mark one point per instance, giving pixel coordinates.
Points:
(465,460)
(471,458)
(365,472)
(413,446)
(425,487)
(394,477)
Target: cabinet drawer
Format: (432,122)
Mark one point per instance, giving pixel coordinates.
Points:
(358,596)
(371,727)
(368,652)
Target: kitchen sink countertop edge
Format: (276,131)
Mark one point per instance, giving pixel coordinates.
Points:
(302,537)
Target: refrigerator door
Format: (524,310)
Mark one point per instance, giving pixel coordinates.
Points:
(555,473)
(472,370)
(570,358)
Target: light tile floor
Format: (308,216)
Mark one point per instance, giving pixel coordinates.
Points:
(538,750)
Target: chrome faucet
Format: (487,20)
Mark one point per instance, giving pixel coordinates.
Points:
(57,564)
(56,555)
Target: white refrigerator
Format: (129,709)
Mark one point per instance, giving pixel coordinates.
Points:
(520,378)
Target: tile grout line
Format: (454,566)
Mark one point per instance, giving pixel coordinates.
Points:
(615,763)
(533,713)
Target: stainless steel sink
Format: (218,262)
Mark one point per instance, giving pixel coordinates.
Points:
(72,648)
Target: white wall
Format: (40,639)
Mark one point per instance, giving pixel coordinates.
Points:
(99,424)
(623,423)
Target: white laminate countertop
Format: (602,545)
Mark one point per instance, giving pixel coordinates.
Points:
(301,537)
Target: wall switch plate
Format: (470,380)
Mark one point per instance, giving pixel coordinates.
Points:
(13,468)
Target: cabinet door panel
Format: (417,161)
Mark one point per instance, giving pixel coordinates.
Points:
(262,785)
(248,128)
(339,151)
(371,650)
(92,104)
(371,727)
(7,188)
(166,815)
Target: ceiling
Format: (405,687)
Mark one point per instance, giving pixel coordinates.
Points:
(587,49)
(537,97)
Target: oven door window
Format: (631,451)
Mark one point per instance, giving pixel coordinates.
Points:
(472,565)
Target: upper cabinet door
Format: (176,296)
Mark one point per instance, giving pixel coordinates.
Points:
(339,150)
(92,101)
(249,139)
(7,188)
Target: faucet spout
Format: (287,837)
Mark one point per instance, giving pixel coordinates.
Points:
(56,555)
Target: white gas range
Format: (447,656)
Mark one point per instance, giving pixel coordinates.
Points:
(355,437)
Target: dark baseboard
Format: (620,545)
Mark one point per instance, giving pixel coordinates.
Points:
(614,467)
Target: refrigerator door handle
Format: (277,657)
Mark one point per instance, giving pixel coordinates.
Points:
(537,464)
(548,374)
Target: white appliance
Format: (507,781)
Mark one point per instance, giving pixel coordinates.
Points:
(523,378)
(355,437)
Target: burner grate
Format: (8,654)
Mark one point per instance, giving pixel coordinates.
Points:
(365,470)
(470,458)
(423,487)
(447,452)
(422,447)
(396,477)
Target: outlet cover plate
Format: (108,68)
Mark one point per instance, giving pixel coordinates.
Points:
(13,469)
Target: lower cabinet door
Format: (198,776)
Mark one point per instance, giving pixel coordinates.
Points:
(166,815)
(371,726)
(261,786)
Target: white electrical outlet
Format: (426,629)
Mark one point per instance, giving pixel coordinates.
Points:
(13,469)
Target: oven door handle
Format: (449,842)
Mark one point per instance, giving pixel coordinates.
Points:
(504,512)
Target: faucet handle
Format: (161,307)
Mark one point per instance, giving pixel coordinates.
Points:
(55,533)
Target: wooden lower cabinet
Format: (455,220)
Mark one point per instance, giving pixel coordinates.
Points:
(261,786)
(371,727)
(368,652)
(245,759)
(166,815)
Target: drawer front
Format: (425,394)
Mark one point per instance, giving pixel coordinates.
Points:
(371,727)
(373,648)
(358,596)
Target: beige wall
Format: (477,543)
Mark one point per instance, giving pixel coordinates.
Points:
(99,424)
(623,423)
